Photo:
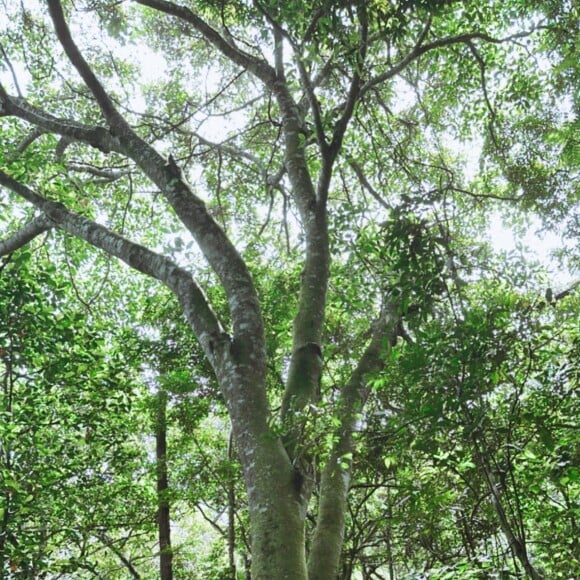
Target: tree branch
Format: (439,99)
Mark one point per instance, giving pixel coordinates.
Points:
(26,142)
(113,117)
(197,310)
(255,65)
(356,391)
(419,49)
(12,71)
(309,320)
(563,293)
(214,243)
(334,485)
(354,91)
(366,184)
(271,181)
(109,543)
(232,151)
(305,80)
(98,137)
(106,175)
(27,233)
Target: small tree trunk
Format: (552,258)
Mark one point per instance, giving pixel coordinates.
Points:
(327,541)
(231,515)
(389,540)
(163,514)
(328,536)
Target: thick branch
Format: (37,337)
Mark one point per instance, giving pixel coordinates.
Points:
(355,86)
(27,141)
(98,137)
(292,122)
(24,235)
(213,242)
(255,65)
(215,245)
(563,293)
(106,175)
(104,101)
(197,310)
(552,298)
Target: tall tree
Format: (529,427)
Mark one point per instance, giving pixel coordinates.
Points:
(346,175)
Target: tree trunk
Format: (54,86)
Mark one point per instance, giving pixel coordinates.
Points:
(276,515)
(163,513)
(323,562)
(328,537)
(275,506)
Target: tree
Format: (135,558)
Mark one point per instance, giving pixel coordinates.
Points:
(342,193)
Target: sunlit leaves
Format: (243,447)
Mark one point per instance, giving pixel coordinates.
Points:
(492,387)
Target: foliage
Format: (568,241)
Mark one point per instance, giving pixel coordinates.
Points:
(70,416)
(310,316)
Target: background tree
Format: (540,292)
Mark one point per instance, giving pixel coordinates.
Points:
(348,128)
(70,410)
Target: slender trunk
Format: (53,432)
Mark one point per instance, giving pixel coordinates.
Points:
(163,514)
(328,537)
(389,541)
(7,392)
(4,530)
(323,561)
(231,516)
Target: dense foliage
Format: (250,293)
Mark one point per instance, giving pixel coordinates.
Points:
(253,319)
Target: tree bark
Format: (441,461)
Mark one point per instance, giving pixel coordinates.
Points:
(276,512)
(231,515)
